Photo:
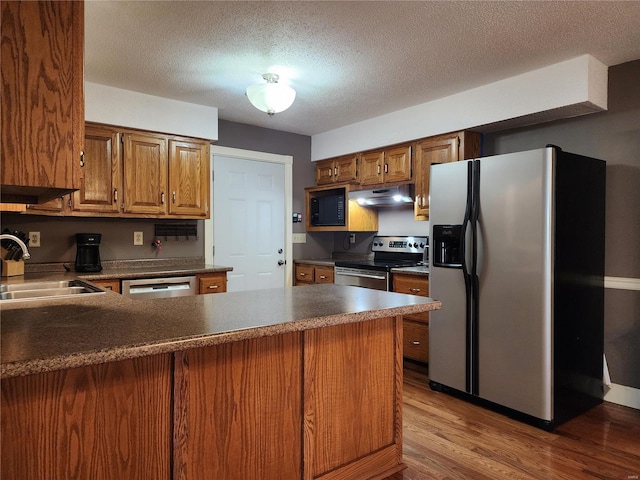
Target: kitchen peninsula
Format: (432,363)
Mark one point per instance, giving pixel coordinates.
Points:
(301,382)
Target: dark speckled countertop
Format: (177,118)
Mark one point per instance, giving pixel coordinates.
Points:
(40,336)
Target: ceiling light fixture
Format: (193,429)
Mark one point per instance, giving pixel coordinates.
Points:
(271,97)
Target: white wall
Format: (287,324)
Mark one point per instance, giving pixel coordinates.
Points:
(570,88)
(125,108)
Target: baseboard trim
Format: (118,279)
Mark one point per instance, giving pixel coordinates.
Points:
(623,395)
(622,283)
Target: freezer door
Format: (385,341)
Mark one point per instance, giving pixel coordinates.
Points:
(447,327)
(515,275)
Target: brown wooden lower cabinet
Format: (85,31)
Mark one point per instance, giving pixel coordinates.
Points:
(212,282)
(318,404)
(111,284)
(416,326)
(100,422)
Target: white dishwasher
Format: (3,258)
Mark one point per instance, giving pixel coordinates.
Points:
(165,287)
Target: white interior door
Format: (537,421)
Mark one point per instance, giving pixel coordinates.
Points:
(248,227)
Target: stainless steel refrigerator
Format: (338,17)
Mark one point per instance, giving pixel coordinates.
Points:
(517,259)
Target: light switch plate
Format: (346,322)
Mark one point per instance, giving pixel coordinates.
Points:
(299,238)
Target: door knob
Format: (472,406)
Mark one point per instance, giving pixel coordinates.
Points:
(280,262)
(279,250)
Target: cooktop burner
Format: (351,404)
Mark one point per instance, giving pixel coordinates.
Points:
(392,252)
(378,264)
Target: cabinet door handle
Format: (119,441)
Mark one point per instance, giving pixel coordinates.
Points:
(378,169)
(414,290)
(162,198)
(82,159)
(335,171)
(415,342)
(115,195)
(386,168)
(174,197)
(330,172)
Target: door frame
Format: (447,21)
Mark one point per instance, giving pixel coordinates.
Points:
(287,161)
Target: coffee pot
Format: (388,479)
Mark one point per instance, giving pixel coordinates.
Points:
(88,252)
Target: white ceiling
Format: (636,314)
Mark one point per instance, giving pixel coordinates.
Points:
(348,61)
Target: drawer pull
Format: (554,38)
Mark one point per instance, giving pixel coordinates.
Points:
(302,274)
(323,277)
(415,342)
(212,287)
(414,290)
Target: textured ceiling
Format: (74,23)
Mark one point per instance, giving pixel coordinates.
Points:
(348,61)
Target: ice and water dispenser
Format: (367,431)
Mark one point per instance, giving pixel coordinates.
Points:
(446,246)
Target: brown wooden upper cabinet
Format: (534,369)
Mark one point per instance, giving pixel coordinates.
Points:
(386,166)
(101,185)
(335,170)
(189,178)
(130,173)
(145,174)
(441,149)
(42,119)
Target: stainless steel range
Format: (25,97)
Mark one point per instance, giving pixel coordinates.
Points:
(388,253)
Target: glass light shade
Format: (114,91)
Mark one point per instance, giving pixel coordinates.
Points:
(271,97)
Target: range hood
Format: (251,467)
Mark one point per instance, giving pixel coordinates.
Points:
(384,196)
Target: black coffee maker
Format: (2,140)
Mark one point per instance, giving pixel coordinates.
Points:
(88,252)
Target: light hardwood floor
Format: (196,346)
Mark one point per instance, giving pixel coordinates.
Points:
(447,438)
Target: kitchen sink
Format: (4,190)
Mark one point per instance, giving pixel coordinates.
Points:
(46,289)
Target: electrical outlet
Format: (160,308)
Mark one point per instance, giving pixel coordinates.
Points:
(138,238)
(352,238)
(34,239)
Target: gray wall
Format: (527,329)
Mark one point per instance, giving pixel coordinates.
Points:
(613,136)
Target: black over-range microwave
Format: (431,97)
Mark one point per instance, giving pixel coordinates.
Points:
(328,210)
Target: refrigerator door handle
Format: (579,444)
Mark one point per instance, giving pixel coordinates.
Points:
(474,280)
(467,276)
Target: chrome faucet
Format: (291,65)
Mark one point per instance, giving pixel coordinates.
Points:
(25,251)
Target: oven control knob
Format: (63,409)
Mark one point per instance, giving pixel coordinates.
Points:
(415,245)
(421,245)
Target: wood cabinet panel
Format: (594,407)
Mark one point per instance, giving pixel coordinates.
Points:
(350,413)
(341,169)
(113,285)
(371,168)
(212,282)
(416,326)
(189,178)
(305,274)
(397,164)
(441,149)
(323,274)
(101,422)
(309,274)
(238,410)
(42,99)
(101,185)
(145,174)
(416,340)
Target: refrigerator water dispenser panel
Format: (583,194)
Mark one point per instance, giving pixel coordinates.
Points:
(446,241)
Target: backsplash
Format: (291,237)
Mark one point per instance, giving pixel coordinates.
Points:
(58,244)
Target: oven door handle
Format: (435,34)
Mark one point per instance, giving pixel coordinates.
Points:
(362,275)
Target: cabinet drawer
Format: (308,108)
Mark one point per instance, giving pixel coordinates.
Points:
(113,285)
(324,275)
(411,284)
(416,340)
(304,273)
(216,283)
